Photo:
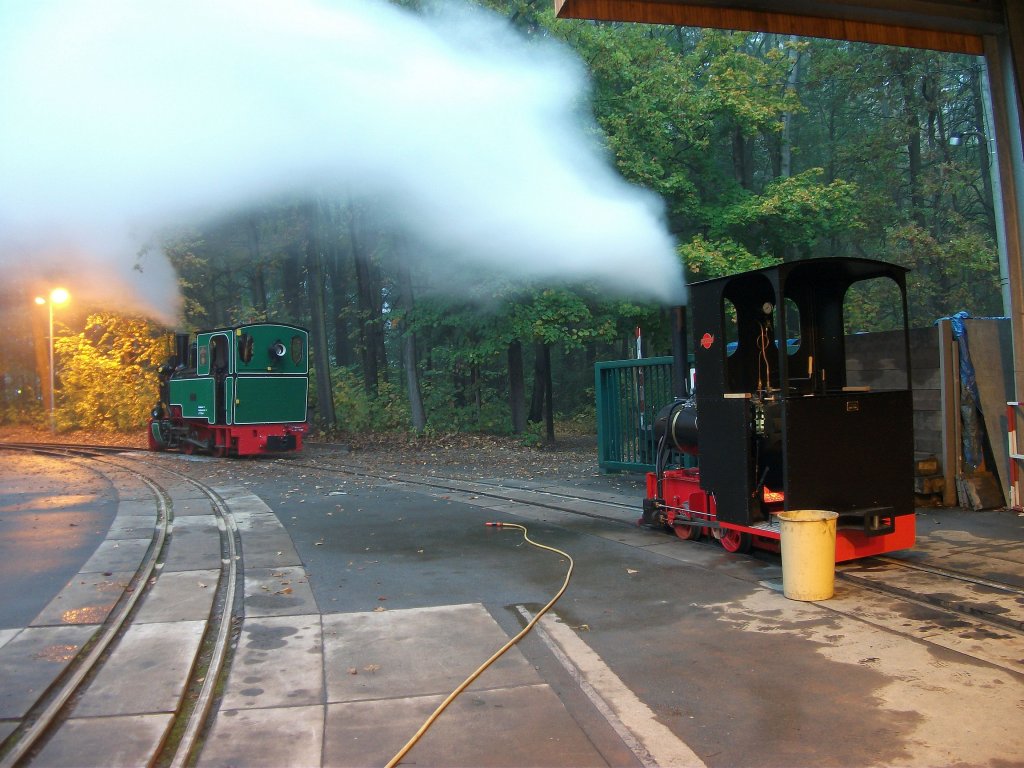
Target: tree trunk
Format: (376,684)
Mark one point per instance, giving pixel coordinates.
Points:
(979,96)
(549,410)
(379,345)
(257,277)
(369,309)
(516,387)
(41,342)
(742,159)
(786,148)
(291,283)
(315,286)
(344,355)
(409,363)
(914,167)
(335,264)
(912,126)
(539,380)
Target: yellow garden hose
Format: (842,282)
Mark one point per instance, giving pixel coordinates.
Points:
(497,654)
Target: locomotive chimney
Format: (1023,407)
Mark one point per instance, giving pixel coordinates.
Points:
(680,361)
(181,341)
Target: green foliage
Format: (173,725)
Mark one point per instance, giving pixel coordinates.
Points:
(560,316)
(718,258)
(357,411)
(460,403)
(947,276)
(107,373)
(794,212)
(741,86)
(24,411)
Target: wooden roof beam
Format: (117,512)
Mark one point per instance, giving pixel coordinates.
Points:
(956,26)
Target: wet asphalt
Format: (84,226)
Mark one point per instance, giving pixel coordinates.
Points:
(702,640)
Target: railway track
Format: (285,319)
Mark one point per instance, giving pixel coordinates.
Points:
(988,605)
(82,683)
(936,598)
(993,602)
(949,593)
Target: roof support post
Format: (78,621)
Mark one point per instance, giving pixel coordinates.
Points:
(1010,167)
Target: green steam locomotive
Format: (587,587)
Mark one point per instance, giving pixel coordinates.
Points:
(239,391)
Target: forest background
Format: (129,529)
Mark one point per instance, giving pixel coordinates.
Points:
(764,148)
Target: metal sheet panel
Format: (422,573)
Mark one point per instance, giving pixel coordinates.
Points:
(850,451)
(195,397)
(270,399)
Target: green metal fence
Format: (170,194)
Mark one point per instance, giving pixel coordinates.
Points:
(629,393)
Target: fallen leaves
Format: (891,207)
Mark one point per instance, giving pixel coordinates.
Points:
(371,668)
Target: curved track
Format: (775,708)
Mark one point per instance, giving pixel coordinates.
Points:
(196,688)
(948,597)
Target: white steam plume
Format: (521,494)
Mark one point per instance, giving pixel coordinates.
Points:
(121,117)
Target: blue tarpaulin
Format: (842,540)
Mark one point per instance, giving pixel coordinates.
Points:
(970,400)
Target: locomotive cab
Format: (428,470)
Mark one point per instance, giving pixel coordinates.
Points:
(780,419)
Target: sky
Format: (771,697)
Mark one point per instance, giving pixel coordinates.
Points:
(122,119)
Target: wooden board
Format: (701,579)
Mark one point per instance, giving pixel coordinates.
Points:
(989,342)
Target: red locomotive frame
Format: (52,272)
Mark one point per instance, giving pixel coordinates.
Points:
(691,513)
(218,440)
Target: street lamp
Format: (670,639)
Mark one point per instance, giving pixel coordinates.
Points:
(57,296)
(956,139)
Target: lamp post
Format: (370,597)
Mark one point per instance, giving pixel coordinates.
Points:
(57,296)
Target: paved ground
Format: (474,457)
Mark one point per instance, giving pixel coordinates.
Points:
(51,521)
(368,601)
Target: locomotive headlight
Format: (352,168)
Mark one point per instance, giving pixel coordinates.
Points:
(277,349)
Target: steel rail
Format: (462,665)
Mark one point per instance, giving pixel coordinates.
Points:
(27,737)
(951,606)
(958,607)
(219,623)
(444,483)
(951,573)
(558,501)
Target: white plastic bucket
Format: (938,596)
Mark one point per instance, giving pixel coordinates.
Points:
(808,553)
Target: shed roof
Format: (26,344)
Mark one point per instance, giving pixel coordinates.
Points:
(946,25)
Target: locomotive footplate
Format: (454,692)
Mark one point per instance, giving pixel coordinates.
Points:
(281,442)
(875,521)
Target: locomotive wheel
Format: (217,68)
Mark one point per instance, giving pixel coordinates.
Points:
(688,532)
(733,541)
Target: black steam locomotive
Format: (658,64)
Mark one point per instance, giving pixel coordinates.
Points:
(778,418)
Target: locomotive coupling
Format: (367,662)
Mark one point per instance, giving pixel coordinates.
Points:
(654,512)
